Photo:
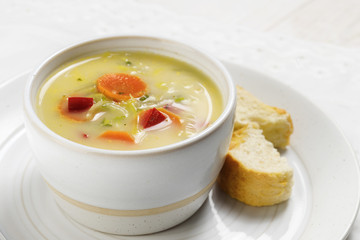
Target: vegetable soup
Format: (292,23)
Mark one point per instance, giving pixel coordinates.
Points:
(128,100)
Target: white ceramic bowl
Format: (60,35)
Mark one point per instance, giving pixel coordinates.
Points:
(131,192)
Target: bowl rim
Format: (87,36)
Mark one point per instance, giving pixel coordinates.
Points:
(31,115)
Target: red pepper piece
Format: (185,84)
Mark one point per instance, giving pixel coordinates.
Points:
(151,117)
(79,103)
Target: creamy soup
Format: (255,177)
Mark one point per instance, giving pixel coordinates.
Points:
(128,101)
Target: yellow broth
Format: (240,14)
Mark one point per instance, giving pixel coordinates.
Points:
(171,84)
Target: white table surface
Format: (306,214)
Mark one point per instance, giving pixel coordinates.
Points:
(312,46)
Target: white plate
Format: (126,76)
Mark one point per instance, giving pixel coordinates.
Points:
(323,204)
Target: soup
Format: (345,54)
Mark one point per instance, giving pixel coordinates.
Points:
(128,100)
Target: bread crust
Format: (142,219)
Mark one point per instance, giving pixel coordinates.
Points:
(275,122)
(252,187)
(246,178)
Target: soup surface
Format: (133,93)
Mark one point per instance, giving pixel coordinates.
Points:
(128,100)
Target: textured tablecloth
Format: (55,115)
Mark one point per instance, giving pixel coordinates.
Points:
(327,75)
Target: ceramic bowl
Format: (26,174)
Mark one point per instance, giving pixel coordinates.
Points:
(131,192)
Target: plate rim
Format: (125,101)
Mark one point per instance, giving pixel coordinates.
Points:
(318,109)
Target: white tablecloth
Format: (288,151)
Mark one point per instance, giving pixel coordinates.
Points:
(328,75)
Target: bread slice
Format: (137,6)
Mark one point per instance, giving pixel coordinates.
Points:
(276,123)
(254,172)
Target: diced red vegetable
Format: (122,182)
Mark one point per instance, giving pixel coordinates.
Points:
(79,103)
(151,117)
(78,116)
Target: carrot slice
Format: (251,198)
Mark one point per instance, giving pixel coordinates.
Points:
(118,135)
(121,86)
(174,118)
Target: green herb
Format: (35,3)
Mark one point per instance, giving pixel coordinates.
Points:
(179,99)
(143,98)
(120,93)
(128,62)
(106,123)
(79,79)
(119,119)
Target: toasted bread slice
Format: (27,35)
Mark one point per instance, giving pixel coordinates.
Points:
(276,123)
(254,172)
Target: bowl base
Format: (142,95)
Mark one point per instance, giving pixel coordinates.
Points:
(129,224)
